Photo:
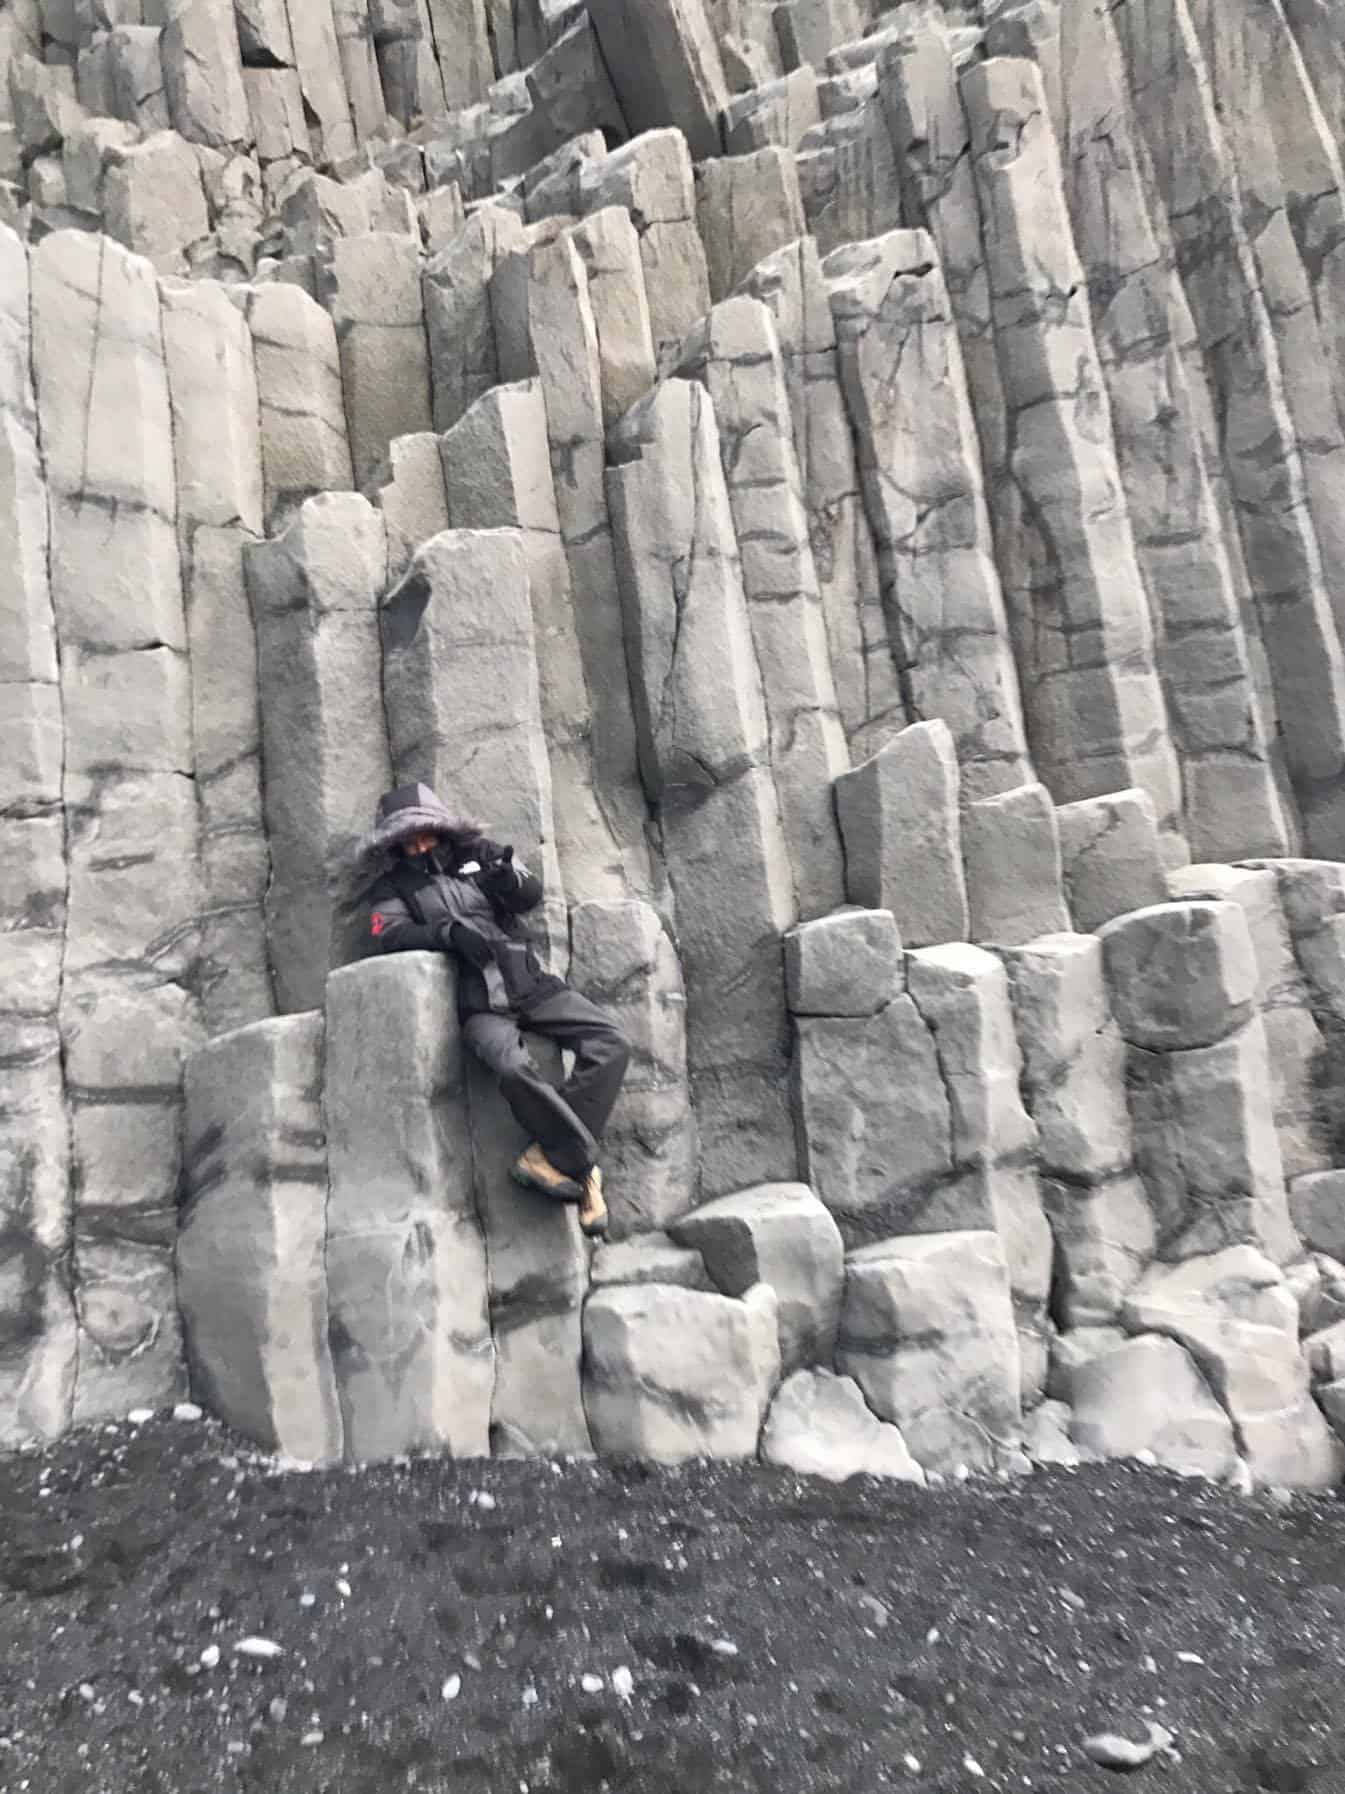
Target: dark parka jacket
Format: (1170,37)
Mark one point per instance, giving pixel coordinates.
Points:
(463,898)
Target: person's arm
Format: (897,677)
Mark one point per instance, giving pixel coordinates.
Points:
(509,886)
(395,929)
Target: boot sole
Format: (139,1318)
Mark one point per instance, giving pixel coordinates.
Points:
(566,1192)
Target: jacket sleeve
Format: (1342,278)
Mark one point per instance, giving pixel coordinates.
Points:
(394,929)
(514,899)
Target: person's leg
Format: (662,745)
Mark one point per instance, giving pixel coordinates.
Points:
(539,1108)
(601,1053)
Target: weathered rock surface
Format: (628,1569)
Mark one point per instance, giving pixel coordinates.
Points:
(819,1425)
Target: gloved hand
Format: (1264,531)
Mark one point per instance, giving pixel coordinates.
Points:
(497,867)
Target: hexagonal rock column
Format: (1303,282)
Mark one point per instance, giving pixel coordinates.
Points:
(1280,500)
(780,1235)
(497,475)
(555,319)
(202,75)
(317,57)
(459,323)
(407,1292)
(1073,1083)
(1219,702)
(371,286)
(901,364)
(665,64)
(819,1425)
(1239,1322)
(37,1360)
(735,355)
(868,693)
(305,447)
(652,179)
(1182,984)
(128,1012)
(314,594)
(875,1133)
(623,959)
(927,1332)
(1011,858)
(212,385)
(673,1373)
(411,497)
(1084,640)
(1111,858)
(703,740)
(461,690)
(746,207)
(1295,1043)
(899,822)
(962,995)
(251,1237)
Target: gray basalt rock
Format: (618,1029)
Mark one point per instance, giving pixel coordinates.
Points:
(1317,1206)
(665,63)
(153,201)
(1180,975)
(326,104)
(819,1425)
(846,964)
(649,1258)
(922,484)
(1011,857)
(202,74)
(782,1236)
(407,1287)
(251,1236)
(703,738)
(780,112)
(305,447)
(736,357)
(609,248)
(371,286)
(135,76)
(927,1332)
(673,1373)
(212,387)
(1145,1395)
(1239,1322)
(790,284)
(315,593)
(409,490)
(624,960)
(1110,856)
(459,324)
(899,821)
(746,207)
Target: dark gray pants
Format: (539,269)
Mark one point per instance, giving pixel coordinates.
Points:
(567,1123)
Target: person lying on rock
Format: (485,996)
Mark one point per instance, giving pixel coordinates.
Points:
(446,885)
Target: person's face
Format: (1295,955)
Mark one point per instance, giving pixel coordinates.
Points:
(421,844)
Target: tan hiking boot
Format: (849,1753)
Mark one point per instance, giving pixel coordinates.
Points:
(535,1171)
(593,1209)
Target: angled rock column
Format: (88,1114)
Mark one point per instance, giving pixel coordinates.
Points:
(128,1012)
(464,361)
(746,207)
(623,958)
(407,1296)
(1074,1085)
(317,57)
(1182,981)
(1296,1045)
(1148,349)
(1095,712)
(868,691)
(609,247)
(652,179)
(371,286)
(37,1318)
(555,332)
(212,386)
(251,1276)
(497,473)
(461,692)
(665,63)
(902,370)
(359,66)
(203,77)
(1195,181)
(703,739)
(314,594)
(962,995)
(305,447)
(735,356)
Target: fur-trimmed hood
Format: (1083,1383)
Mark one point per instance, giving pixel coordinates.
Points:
(413,810)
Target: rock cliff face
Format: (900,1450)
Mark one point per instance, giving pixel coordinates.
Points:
(856,492)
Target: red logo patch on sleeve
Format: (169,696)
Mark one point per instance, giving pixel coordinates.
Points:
(376,924)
